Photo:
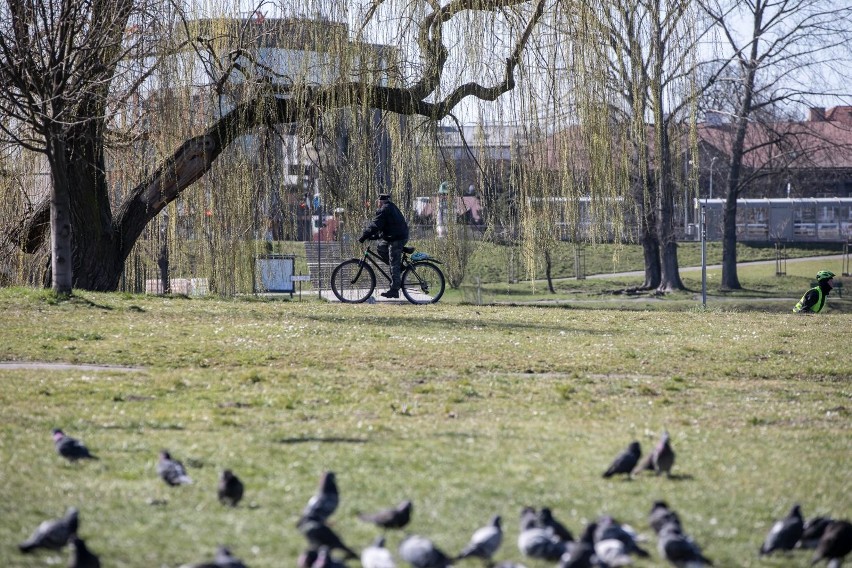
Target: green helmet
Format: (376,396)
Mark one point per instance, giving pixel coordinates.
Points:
(824,275)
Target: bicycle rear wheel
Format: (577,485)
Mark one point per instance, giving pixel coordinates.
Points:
(423,283)
(353,281)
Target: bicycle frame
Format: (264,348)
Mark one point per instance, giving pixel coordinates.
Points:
(376,260)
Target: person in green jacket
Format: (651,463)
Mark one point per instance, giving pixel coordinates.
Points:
(814,299)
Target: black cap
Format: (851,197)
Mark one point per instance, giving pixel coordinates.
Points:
(384,197)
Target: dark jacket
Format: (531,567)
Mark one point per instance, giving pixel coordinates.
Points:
(388,224)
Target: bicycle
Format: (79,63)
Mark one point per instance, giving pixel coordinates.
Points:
(353,281)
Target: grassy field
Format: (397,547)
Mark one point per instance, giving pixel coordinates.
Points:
(468,410)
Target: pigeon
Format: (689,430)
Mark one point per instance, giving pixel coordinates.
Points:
(223,559)
(612,552)
(420,552)
(660,460)
(548,521)
(82,557)
(377,556)
(394,518)
(662,515)
(230,490)
(172,471)
(812,532)
(324,502)
(537,542)
(610,529)
(785,533)
(679,549)
(835,543)
(581,553)
(318,534)
(53,534)
(70,448)
(625,461)
(484,542)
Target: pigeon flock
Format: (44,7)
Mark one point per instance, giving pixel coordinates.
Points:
(604,542)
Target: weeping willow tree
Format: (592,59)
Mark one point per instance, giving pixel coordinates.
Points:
(183,138)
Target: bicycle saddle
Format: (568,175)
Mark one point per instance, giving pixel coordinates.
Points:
(408,250)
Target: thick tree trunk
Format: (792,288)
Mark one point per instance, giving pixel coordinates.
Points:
(730,280)
(61,266)
(645,196)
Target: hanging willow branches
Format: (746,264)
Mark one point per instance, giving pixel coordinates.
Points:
(221,126)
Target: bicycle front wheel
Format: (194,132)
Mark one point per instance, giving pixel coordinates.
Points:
(423,283)
(353,281)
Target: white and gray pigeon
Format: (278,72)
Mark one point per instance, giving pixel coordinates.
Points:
(81,556)
(835,544)
(785,533)
(420,552)
(612,552)
(484,542)
(538,542)
(661,514)
(324,502)
(610,529)
(171,470)
(680,550)
(377,556)
(53,534)
(625,461)
(661,459)
(70,448)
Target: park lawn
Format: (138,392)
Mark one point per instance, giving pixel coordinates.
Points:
(469,410)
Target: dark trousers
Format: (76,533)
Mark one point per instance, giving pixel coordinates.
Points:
(395,259)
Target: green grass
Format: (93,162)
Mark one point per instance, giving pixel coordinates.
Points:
(468,410)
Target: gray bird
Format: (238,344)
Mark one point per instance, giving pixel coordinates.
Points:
(484,542)
(785,533)
(680,550)
(82,557)
(393,518)
(324,502)
(835,544)
(53,534)
(537,542)
(812,532)
(224,559)
(230,489)
(171,470)
(660,460)
(662,515)
(610,529)
(548,521)
(318,534)
(70,448)
(625,461)
(377,556)
(420,552)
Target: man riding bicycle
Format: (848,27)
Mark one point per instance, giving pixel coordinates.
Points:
(390,227)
